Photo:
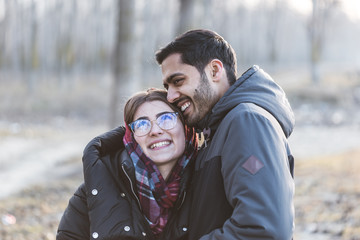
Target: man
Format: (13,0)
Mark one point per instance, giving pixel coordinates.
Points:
(242,187)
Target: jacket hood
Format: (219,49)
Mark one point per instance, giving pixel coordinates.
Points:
(254,86)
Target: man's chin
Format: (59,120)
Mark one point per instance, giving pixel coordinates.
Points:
(190,121)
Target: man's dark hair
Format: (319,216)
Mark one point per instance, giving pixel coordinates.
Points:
(198,48)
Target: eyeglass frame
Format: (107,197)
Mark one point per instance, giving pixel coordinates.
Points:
(151,124)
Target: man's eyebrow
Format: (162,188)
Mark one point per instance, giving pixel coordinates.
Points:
(172,76)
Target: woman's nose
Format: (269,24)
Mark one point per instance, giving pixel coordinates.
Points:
(155,129)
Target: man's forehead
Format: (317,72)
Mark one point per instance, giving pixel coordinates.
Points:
(171,61)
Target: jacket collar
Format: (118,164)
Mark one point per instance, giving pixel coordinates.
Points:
(209,123)
(257,87)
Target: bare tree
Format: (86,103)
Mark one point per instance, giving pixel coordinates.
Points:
(124,58)
(34,57)
(321,10)
(191,14)
(186,15)
(3,29)
(272,30)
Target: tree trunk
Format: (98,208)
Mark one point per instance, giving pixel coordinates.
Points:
(316,39)
(274,14)
(321,10)
(187,16)
(34,57)
(124,58)
(3,30)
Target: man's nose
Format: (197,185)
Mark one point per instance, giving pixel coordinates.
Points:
(172,95)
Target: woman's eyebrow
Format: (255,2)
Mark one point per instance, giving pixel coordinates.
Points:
(156,116)
(161,113)
(142,118)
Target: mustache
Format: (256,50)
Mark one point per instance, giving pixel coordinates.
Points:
(177,102)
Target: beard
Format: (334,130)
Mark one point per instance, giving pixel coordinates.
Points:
(203,100)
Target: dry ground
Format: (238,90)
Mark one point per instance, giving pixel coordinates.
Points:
(326,202)
(328,195)
(37,209)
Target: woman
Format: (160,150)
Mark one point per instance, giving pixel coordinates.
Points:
(137,191)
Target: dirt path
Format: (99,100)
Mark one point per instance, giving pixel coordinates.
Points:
(314,141)
(34,155)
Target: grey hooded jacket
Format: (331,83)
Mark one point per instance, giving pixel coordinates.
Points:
(243,184)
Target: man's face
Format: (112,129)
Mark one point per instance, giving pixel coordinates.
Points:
(192,92)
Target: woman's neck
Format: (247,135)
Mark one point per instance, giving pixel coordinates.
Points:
(165,170)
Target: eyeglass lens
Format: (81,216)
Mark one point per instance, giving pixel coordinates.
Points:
(165,121)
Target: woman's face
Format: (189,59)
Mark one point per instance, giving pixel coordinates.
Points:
(163,147)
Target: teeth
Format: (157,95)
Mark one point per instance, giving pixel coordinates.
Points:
(185,106)
(159,144)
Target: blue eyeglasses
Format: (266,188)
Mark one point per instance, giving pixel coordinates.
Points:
(165,121)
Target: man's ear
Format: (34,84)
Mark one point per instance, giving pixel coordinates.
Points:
(216,69)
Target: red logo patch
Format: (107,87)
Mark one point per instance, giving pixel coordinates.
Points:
(253,165)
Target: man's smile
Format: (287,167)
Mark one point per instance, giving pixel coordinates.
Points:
(185,106)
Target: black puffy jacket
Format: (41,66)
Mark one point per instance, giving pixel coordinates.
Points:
(106,207)
(242,184)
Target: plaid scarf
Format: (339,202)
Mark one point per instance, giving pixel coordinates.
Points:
(156,195)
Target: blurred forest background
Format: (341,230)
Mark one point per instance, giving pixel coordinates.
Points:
(67,68)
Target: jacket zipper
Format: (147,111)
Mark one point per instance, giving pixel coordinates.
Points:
(131,186)
(149,233)
(182,200)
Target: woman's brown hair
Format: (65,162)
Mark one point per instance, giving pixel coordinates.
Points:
(152,94)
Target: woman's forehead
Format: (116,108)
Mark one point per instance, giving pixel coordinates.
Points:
(151,109)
